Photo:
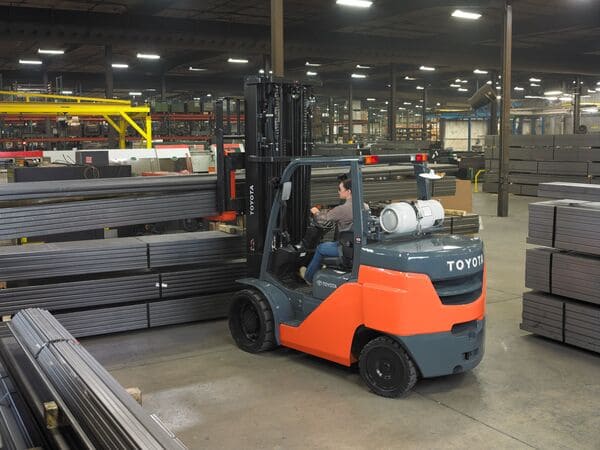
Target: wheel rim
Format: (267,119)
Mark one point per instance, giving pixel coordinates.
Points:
(249,321)
(384,369)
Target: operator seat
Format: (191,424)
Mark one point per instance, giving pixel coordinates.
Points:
(346,252)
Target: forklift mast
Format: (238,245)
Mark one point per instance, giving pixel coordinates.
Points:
(278,129)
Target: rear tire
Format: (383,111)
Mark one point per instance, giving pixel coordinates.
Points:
(251,322)
(386,368)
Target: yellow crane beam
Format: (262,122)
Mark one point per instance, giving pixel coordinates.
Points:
(65,105)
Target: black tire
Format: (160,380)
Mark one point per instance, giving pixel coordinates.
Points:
(386,368)
(251,322)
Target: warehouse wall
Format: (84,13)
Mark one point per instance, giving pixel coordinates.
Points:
(456,133)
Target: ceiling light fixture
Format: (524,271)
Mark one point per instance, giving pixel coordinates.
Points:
(407,78)
(488,82)
(311,74)
(309,64)
(371,99)
(196,69)
(420,88)
(358,75)
(552,93)
(358,66)
(135,94)
(34,62)
(564,98)
(355,3)
(407,103)
(66,92)
(427,68)
(535,80)
(518,88)
(460,14)
(534,85)
(463,90)
(593,109)
(480,72)
(591,91)
(148,56)
(42,51)
(237,61)
(119,66)
(455,85)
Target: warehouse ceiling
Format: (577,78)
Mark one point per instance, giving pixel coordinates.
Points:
(554,40)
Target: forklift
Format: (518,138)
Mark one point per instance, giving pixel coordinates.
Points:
(400,301)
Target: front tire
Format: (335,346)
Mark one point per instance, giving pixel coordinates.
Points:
(251,322)
(386,368)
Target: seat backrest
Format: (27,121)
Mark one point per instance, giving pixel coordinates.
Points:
(346,240)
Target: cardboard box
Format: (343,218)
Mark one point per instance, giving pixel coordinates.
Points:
(462,200)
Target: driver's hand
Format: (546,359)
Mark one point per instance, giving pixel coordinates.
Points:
(314,210)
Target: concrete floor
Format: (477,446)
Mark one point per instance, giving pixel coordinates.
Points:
(528,392)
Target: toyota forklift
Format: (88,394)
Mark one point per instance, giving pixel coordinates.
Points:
(402,302)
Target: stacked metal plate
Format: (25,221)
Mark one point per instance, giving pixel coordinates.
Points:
(81,294)
(465,224)
(202,280)
(205,247)
(582,325)
(538,266)
(543,314)
(205,307)
(92,322)
(99,412)
(573,191)
(71,258)
(52,218)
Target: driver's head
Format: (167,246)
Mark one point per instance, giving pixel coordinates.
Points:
(345,189)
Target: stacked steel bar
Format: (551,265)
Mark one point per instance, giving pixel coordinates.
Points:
(96,409)
(536,160)
(565,303)
(573,191)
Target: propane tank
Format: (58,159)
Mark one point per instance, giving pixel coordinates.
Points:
(409,218)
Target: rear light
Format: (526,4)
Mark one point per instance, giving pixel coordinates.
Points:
(421,157)
(370,159)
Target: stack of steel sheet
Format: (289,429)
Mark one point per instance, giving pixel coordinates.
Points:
(538,267)
(582,325)
(53,218)
(202,280)
(59,296)
(71,258)
(543,314)
(205,247)
(204,307)
(573,191)
(336,150)
(98,412)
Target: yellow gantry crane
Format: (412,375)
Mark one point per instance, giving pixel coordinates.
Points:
(118,113)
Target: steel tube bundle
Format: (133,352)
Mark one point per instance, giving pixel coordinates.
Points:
(106,414)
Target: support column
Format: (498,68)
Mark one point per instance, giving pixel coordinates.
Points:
(163,87)
(277,56)
(469,134)
(505,119)
(424,116)
(493,124)
(238,111)
(331,120)
(228,121)
(392,105)
(350,118)
(577,107)
(108,72)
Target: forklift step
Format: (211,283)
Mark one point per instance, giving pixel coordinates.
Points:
(292,323)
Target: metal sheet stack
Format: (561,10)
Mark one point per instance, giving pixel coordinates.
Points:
(111,285)
(59,379)
(542,159)
(565,274)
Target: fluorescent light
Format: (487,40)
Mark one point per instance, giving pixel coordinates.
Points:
(488,82)
(551,98)
(358,75)
(552,93)
(480,72)
(401,108)
(420,88)
(464,81)
(209,95)
(371,99)
(407,103)
(135,93)
(427,68)
(518,88)
(465,15)
(358,66)
(438,104)
(564,99)
(311,74)
(237,61)
(66,92)
(119,66)
(196,69)
(591,91)
(593,109)
(383,110)
(197,98)
(386,102)
(30,61)
(150,90)
(455,85)
(148,56)
(534,85)
(535,96)
(407,78)
(309,64)
(419,106)
(463,90)
(50,52)
(355,3)
(535,80)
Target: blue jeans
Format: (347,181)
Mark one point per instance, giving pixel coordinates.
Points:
(323,250)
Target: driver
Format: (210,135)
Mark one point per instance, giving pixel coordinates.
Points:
(342,217)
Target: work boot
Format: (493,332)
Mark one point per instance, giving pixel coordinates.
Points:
(303,274)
